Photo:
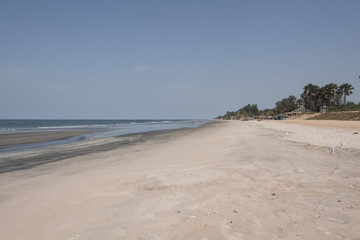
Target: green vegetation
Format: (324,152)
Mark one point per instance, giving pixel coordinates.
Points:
(342,115)
(346,89)
(312,98)
(350,106)
(247,111)
(286,105)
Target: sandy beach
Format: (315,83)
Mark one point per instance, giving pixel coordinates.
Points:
(225,180)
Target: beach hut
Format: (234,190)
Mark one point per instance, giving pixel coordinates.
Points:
(298,111)
(324,109)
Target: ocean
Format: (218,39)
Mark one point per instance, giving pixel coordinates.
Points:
(11,126)
(108,129)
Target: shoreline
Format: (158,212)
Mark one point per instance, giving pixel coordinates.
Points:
(28,159)
(224,180)
(33,138)
(10,139)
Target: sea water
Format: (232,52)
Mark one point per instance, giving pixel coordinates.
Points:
(11,126)
(108,128)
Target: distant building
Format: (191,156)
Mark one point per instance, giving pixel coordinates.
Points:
(298,111)
(324,109)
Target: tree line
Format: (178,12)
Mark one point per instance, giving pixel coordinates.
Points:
(331,94)
(312,98)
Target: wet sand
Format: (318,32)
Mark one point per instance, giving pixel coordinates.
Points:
(229,180)
(15,161)
(34,137)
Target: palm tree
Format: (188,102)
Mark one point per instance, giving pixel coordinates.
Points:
(299,102)
(323,95)
(315,95)
(346,90)
(305,99)
(311,95)
(338,95)
(330,91)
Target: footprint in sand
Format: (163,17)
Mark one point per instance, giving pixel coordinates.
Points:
(75,236)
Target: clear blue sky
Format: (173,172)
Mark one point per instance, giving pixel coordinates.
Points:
(170,59)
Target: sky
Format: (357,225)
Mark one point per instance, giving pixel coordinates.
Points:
(155,59)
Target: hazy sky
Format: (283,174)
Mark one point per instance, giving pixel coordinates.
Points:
(170,59)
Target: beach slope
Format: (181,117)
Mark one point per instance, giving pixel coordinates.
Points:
(226,180)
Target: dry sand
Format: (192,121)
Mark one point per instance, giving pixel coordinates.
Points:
(229,180)
(326,133)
